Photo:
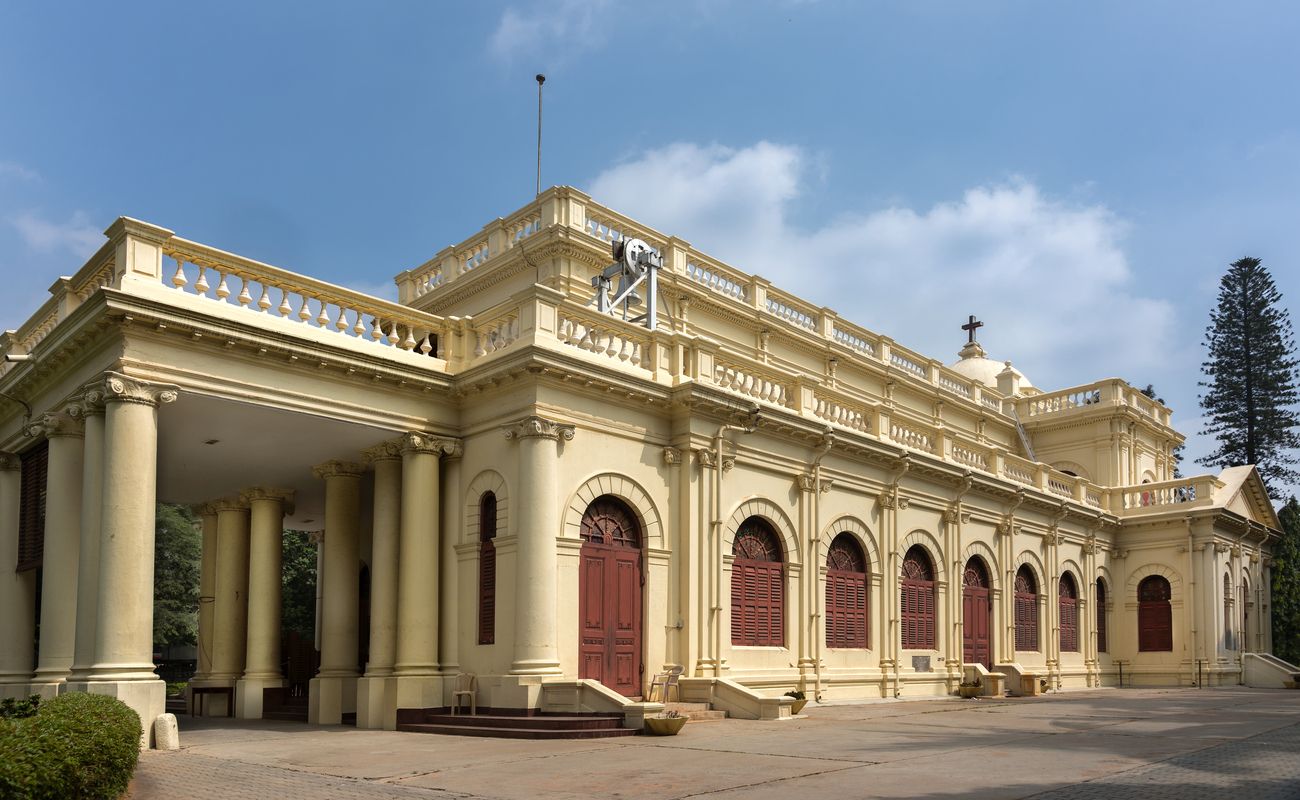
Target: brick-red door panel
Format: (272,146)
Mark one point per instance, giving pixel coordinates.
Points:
(609,591)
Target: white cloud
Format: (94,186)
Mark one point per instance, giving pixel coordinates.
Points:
(550,31)
(12,169)
(1049,277)
(76,236)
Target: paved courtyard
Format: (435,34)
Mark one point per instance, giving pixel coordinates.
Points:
(1129,743)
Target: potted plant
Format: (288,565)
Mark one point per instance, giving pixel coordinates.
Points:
(799,701)
(668,723)
(971,688)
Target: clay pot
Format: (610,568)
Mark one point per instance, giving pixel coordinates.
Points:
(664,726)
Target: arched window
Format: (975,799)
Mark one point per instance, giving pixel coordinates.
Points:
(487,569)
(1026,609)
(1227,613)
(1069,613)
(918,600)
(1155,616)
(757,586)
(846,593)
(1101,617)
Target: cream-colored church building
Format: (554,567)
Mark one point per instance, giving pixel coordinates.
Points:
(564,502)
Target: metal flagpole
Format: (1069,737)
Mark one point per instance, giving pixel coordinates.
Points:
(540,80)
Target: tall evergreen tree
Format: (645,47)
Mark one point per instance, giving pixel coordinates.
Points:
(1251,388)
(1285,594)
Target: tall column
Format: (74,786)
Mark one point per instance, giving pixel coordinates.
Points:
(537,514)
(207,588)
(123,665)
(333,690)
(418,683)
(17,589)
(267,508)
(91,410)
(230,603)
(59,562)
(386,518)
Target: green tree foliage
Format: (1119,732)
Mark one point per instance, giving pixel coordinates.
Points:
(1286,585)
(1251,392)
(1150,391)
(178,548)
(299,587)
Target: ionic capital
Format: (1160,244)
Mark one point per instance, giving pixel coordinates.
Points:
(390,450)
(420,442)
(204,509)
(9,461)
(255,493)
(228,504)
(119,388)
(56,423)
(89,404)
(534,427)
(338,469)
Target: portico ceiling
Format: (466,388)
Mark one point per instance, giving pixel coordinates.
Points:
(210,448)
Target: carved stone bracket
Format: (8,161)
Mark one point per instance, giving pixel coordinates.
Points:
(672,456)
(338,469)
(1221,547)
(1007,527)
(119,388)
(535,427)
(55,423)
(390,450)
(9,461)
(709,458)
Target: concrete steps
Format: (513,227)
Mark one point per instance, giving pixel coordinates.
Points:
(696,712)
(541,726)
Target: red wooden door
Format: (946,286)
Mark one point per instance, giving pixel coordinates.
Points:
(609,598)
(1155,616)
(976,616)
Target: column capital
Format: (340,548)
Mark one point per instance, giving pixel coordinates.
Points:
(89,404)
(9,461)
(390,450)
(227,504)
(253,493)
(204,509)
(338,469)
(420,442)
(119,388)
(535,427)
(52,424)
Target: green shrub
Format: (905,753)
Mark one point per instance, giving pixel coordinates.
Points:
(19,709)
(77,745)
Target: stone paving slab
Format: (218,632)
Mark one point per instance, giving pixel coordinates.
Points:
(1185,743)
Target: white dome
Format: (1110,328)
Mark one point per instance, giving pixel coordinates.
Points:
(975,365)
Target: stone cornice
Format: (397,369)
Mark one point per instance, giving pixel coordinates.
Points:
(119,388)
(420,442)
(535,427)
(338,469)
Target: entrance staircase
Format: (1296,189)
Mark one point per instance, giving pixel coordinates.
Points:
(282,705)
(537,726)
(696,712)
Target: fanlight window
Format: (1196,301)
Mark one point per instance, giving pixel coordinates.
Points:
(609,521)
(1026,609)
(846,594)
(1069,614)
(757,586)
(1155,616)
(918,615)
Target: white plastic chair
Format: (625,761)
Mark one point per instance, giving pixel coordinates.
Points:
(466,686)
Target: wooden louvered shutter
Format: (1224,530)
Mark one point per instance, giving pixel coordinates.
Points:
(1069,614)
(846,594)
(1155,616)
(487,570)
(757,587)
(1101,617)
(1026,611)
(917,601)
(31,520)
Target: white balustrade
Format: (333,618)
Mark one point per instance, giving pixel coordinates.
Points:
(1060,486)
(495,335)
(601,338)
(755,386)
(521,229)
(971,458)
(903,362)
(955,387)
(911,437)
(470,257)
(840,414)
(715,281)
(1019,470)
(1062,401)
(790,314)
(855,342)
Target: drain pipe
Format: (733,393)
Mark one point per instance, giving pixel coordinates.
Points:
(715,525)
(901,466)
(813,566)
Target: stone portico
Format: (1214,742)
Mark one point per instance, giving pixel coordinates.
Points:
(564,503)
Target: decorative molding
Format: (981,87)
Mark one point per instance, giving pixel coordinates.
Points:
(284,496)
(119,388)
(204,509)
(89,404)
(390,450)
(672,456)
(228,504)
(535,427)
(420,442)
(338,469)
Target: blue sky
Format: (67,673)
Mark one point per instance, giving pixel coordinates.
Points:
(1077,175)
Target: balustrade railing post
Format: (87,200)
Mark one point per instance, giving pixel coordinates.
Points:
(677,256)
(138,250)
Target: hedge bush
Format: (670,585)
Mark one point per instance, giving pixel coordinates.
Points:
(77,745)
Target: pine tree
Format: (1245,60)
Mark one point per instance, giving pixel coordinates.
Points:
(1285,594)
(1251,391)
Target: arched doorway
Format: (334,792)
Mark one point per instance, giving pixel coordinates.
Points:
(917,602)
(609,596)
(1155,616)
(1026,609)
(976,614)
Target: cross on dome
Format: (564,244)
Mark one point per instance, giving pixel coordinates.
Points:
(970,327)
